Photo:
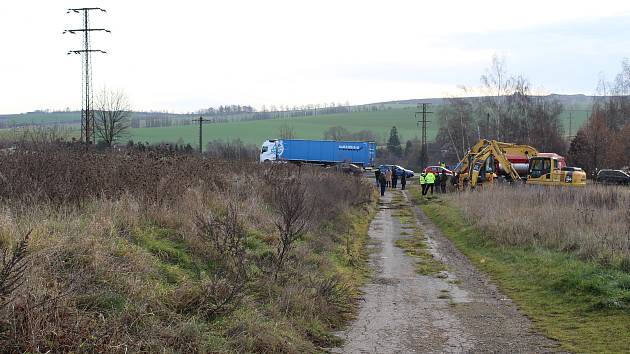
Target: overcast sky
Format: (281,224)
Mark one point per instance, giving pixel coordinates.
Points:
(184,55)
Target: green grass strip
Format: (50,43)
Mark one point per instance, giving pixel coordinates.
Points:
(584,306)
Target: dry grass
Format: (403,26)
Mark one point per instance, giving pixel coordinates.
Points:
(172,253)
(592,223)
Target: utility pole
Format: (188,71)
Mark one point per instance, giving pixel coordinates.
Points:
(200,120)
(423,122)
(87,112)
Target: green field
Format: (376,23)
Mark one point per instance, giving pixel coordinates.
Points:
(576,115)
(43,118)
(255,132)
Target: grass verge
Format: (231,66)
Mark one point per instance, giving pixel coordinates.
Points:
(584,306)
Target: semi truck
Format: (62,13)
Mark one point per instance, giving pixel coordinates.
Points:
(325,152)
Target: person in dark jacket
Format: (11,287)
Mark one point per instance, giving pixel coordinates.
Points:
(383,182)
(403,181)
(377,174)
(394,179)
(443,179)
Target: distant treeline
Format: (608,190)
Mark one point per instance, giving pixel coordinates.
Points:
(235,113)
(221,114)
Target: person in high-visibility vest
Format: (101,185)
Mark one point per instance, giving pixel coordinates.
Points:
(423,183)
(442,164)
(430,181)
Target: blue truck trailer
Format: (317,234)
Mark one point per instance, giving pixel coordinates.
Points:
(326,152)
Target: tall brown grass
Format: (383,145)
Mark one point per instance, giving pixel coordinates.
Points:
(592,222)
(171,253)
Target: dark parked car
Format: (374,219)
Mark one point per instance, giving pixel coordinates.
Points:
(397,169)
(613,177)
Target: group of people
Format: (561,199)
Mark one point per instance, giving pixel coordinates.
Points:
(389,179)
(429,180)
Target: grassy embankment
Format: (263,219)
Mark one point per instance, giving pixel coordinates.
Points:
(562,255)
(158,253)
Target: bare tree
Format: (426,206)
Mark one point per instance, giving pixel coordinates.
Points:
(497,85)
(111,116)
(508,111)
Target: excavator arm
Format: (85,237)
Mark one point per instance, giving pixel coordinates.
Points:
(464,164)
(478,161)
(470,166)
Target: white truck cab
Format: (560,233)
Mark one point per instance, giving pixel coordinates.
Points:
(270,150)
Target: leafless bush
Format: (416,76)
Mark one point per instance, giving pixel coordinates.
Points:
(591,222)
(293,214)
(226,234)
(231,150)
(42,134)
(64,175)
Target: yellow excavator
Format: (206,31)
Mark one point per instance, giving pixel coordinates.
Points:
(489,159)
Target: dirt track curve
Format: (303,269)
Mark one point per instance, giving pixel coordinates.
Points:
(457,311)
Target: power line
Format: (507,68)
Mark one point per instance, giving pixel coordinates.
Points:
(424,121)
(200,120)
(87,111)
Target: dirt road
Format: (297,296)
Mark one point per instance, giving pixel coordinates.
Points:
(455,311)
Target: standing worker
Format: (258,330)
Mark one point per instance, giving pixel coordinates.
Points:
(377,174)
(430,181)
(423,183)
(443,179)
(388,177)
(382,182)
(403,180)
(394,178)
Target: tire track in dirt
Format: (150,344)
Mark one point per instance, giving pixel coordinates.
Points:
(405,312)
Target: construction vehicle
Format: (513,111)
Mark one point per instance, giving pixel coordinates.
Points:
(489,160)
(551,169)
